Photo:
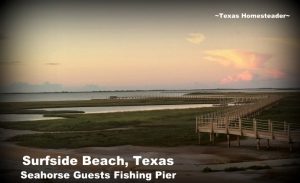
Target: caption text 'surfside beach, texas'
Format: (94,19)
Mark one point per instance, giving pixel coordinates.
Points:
(156,91)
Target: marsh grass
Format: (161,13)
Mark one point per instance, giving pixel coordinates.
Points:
(147,128)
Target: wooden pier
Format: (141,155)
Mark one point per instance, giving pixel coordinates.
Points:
(217,99)
(239,121)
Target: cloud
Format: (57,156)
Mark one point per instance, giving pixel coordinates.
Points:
(275,73)
(195,38)
(237,58)
(248,63)
(52,63)
(243,76)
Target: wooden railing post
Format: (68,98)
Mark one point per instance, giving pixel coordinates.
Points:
(272,130)
(228,140)
(226,125)
(196,124)
(254,127)
(212,134)
(240,125)
(255,132)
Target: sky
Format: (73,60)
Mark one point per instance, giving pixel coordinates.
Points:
(121,45)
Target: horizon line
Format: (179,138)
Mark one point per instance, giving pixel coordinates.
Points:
(135,90)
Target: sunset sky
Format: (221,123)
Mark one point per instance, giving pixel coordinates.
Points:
(133,45)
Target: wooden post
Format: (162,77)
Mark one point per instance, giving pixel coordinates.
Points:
(196,124)
(199,138)
(254,127)
(228,140)
(240,125)
(211,132)
(272,133)
(226,125)
(257,143)
(238,140)
(270,130)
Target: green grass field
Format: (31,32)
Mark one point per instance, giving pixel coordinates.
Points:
(147,128)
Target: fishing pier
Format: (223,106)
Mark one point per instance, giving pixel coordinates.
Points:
(240,121)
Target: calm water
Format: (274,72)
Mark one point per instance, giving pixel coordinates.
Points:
(28,97)
(24,117)
(35,117)
(127,108)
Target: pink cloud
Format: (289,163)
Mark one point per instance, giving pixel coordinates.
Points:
(239,59)
(247,63)
(275,73)
(243,76)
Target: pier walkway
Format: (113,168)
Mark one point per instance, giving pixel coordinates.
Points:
(239,121)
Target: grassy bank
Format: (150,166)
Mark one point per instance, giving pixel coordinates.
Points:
(87,122)
(147,128)
(154,136)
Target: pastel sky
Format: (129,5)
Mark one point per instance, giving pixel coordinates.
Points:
(149,46)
